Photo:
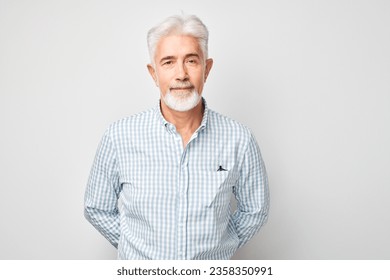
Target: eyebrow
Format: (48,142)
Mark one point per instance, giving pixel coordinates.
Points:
(169,57)
(192,54)
(166,58)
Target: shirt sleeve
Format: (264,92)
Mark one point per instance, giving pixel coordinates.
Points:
(102,192)
(252,194)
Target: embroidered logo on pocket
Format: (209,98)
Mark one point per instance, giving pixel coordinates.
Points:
(221,168)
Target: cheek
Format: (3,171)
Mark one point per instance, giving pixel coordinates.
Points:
(164,77)
(163,84)
(199,80)
(160,80)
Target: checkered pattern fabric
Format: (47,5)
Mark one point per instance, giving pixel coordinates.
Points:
(154,199)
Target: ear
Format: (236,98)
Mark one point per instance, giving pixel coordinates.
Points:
(152,73)
(209,64)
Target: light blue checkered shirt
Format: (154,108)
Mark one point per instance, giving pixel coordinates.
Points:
(154,199)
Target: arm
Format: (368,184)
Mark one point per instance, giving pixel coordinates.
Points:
(252,194)
(102,193)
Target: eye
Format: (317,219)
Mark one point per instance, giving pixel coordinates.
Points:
(192,61)
(168,62)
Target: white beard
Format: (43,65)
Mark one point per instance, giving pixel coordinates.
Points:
(182,101)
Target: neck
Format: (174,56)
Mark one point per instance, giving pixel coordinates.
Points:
(187,122)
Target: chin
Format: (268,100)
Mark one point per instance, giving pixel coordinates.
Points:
(182,103)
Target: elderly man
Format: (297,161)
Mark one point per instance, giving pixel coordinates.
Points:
(161,183)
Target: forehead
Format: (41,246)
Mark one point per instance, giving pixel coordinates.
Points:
(177,45)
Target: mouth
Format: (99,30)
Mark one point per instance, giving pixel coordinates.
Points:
(182,88)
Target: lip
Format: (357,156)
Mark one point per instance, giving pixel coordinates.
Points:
(185,88)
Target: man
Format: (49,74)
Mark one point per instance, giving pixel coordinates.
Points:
(161,183)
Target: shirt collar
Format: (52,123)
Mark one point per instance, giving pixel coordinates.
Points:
(165,123)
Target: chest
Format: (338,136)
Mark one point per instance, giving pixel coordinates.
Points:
(203,173)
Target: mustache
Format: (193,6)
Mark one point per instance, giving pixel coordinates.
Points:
(178,85)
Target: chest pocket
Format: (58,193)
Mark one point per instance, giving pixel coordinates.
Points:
(219,188)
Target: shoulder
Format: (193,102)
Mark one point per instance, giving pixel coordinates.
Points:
(130,124)
(226,124)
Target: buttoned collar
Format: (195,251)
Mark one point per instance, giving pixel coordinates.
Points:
(171,127)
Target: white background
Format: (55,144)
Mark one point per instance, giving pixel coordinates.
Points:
(310,78)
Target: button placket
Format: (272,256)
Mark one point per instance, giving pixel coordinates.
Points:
(183,186)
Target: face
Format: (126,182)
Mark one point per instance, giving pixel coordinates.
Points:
(180,71)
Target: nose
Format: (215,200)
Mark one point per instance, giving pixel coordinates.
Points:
(181,72)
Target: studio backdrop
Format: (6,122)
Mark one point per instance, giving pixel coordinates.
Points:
(311,79)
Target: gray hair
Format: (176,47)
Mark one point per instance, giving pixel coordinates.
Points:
(179,25)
